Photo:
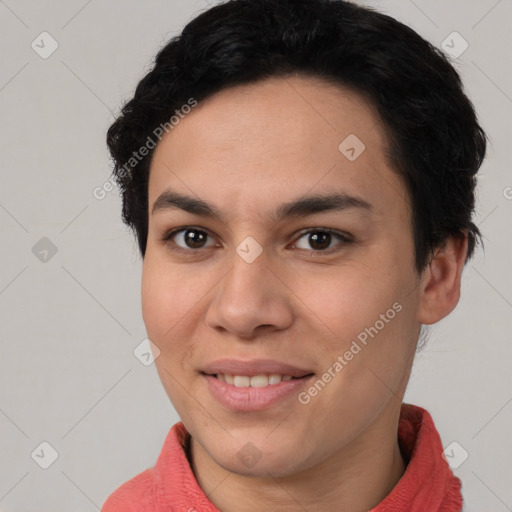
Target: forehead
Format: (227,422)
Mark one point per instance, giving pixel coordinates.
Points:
(277,139)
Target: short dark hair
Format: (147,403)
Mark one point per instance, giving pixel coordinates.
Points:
(433,137)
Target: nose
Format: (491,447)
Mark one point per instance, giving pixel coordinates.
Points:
(251,299)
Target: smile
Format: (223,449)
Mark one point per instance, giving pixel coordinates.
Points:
(256,381)
(244,393)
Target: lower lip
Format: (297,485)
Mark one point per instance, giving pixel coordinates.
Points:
(253,399)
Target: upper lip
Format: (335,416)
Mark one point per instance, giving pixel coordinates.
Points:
(252,367)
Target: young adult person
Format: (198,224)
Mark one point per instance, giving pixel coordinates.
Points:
(300,176)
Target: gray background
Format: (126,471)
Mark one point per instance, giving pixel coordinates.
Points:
(69,324)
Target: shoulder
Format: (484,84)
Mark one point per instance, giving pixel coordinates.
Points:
(133,495)
(157,487)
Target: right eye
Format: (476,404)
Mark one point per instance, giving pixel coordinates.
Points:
(188,239)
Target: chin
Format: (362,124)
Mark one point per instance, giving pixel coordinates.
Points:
(269,465)
(259,458)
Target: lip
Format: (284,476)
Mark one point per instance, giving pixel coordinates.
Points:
(254,367)
(253,399)
(246,399)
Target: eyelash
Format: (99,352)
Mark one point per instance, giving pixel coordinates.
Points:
(344,240)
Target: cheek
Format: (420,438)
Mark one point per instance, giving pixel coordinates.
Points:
(168,295)
(365,316)
(168,299)
(347,300)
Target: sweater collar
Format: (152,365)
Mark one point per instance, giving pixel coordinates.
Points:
(427,484)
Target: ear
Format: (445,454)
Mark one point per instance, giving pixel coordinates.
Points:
(440,281)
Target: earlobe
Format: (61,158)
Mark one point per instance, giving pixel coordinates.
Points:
(440,282)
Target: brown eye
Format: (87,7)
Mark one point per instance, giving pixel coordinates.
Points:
(188,238)
(320,240)
(194,238)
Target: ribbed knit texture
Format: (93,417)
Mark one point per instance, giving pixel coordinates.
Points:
(428,484)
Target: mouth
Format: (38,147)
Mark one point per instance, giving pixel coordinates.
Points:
(255,386)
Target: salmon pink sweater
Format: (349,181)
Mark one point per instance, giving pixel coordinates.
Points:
(428,484)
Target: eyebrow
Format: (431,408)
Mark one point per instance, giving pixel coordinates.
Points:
(307,205)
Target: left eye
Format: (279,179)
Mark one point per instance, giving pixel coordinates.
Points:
(320,239)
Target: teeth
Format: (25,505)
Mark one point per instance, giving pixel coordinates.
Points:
(241,381)
(274,379)
(257,381)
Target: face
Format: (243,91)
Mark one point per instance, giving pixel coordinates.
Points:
(261,282)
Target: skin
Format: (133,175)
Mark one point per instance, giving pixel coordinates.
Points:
(246,150)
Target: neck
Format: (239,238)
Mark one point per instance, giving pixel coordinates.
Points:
(357,477)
